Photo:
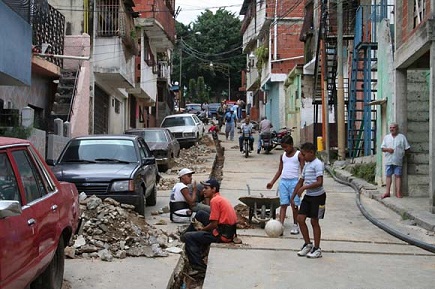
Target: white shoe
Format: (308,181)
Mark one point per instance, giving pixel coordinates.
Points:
(306,248)
(294,230)
(315,253)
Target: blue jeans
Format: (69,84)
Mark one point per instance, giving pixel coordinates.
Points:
(251,143)
(198,241)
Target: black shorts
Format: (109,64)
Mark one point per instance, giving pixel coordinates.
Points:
(313,207)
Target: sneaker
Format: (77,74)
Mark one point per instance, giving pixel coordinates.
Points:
(294,230)
(306,248)
(315,253)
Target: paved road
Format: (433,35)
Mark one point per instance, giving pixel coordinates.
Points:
(356,254)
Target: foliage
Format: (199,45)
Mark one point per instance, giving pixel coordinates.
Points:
(16,132)
(192,92)
(212,37)
(365,171)
(262,54)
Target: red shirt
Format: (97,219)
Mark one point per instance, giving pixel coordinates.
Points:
(222,211)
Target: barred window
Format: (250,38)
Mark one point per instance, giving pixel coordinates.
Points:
(420,11)
(107,11)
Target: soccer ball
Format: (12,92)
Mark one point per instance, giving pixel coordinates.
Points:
(274,228)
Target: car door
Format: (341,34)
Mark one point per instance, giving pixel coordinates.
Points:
(149,172)
(18,238)
(42,198)
(199,124)
(174,143)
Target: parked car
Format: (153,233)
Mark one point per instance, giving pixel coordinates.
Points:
(38,216)
(162,144)
(212,109)
(186,128)
(193,108)
(121,167)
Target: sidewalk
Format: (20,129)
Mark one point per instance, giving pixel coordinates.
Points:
(352,246)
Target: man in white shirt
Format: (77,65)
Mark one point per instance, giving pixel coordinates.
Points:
(394,146)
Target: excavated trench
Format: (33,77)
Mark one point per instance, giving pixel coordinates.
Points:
(181,279)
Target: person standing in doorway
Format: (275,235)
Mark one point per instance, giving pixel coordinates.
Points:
(394,145)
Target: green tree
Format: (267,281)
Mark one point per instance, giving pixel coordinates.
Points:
(211,38)
(202,90)
(192,90)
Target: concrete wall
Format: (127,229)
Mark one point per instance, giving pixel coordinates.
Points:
(418,132)
(15,48)
(73,12)
(385,90)
(79,45)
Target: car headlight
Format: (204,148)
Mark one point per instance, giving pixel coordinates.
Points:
(122,186)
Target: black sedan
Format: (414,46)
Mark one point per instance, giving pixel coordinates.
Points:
(121,167)
(162,144)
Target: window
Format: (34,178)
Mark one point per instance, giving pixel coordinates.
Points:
(32,182)
(107,15)
(8,183)
(420,10)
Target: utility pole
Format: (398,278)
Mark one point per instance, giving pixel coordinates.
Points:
(340,89)
(180,89)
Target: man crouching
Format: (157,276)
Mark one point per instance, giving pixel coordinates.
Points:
(219,227)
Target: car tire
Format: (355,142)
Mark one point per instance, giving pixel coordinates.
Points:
(52,277)
(152,199)
(140,208)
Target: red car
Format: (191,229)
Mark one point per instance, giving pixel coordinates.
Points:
(38,216)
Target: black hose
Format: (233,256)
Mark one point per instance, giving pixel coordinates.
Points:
(386,228)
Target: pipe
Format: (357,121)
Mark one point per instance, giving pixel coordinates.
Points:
(63,56)
(386,228)
(275,32)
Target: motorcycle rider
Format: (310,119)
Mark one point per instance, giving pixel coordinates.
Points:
(246,127)
(265,127)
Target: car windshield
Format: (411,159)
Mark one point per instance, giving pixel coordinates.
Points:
(178,121)
(155,136)
(98,150)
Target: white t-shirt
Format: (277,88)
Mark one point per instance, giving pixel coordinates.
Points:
(399,144)
(177,196)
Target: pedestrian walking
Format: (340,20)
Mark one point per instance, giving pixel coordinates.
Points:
(394,145)
(313,202)
(230,124)
(290,165)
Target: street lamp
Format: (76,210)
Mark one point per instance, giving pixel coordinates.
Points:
(226,74)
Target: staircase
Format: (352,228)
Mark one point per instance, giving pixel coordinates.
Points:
(64,97)
(361,120)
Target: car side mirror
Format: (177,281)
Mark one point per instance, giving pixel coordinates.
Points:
(149,161)
(9,209)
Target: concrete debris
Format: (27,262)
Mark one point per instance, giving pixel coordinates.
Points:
(113,230)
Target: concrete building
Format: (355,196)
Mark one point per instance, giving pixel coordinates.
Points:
(131,46)
(270,32)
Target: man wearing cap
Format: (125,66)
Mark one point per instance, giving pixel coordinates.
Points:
(219,226)
(183,201)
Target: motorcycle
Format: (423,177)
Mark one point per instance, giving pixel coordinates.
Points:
(247,143)
(266,142)
(277,136)
(202,115)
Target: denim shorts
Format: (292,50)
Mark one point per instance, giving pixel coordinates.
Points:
(286,188)
(393,170)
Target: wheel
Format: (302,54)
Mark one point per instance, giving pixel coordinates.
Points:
(140,208)
(152,199)
(246,148)
(263,216)
(52,277)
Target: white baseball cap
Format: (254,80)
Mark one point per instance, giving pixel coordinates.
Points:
(185,171)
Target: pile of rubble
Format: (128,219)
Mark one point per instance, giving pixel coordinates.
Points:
(113,230)
(110,229)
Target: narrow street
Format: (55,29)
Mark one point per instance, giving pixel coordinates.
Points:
(355,252)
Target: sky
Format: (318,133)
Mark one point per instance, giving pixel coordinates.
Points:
(191,9)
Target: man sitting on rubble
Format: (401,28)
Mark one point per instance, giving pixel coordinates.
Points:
(185,198)
(218,226)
